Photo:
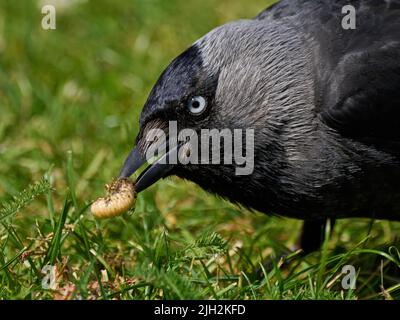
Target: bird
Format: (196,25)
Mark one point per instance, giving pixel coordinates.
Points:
(322,99)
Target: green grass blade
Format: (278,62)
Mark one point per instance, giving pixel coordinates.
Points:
(55,245)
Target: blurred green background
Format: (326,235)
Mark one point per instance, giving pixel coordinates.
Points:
(70,100)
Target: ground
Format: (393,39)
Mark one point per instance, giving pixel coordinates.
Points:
(70,100)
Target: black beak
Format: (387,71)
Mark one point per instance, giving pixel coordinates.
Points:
(151,174)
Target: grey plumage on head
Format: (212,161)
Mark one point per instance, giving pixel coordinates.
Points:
(264,72)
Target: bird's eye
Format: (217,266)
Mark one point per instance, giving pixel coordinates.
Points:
(197,105)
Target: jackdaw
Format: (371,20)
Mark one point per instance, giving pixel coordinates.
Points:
(322,95)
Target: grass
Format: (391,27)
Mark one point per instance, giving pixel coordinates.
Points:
(70,100)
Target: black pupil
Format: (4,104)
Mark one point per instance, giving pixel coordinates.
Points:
(195,104)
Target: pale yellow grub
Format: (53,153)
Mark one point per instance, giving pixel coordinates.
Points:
(121,198)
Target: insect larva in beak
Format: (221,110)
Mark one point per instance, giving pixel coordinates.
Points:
(121,198)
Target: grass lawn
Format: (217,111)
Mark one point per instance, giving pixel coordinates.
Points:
(70,99)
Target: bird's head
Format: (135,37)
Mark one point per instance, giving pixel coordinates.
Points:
(221,84)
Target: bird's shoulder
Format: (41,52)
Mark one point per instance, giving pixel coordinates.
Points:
(357,71)
(319,9)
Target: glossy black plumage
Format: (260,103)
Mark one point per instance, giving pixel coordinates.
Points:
(358,70)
